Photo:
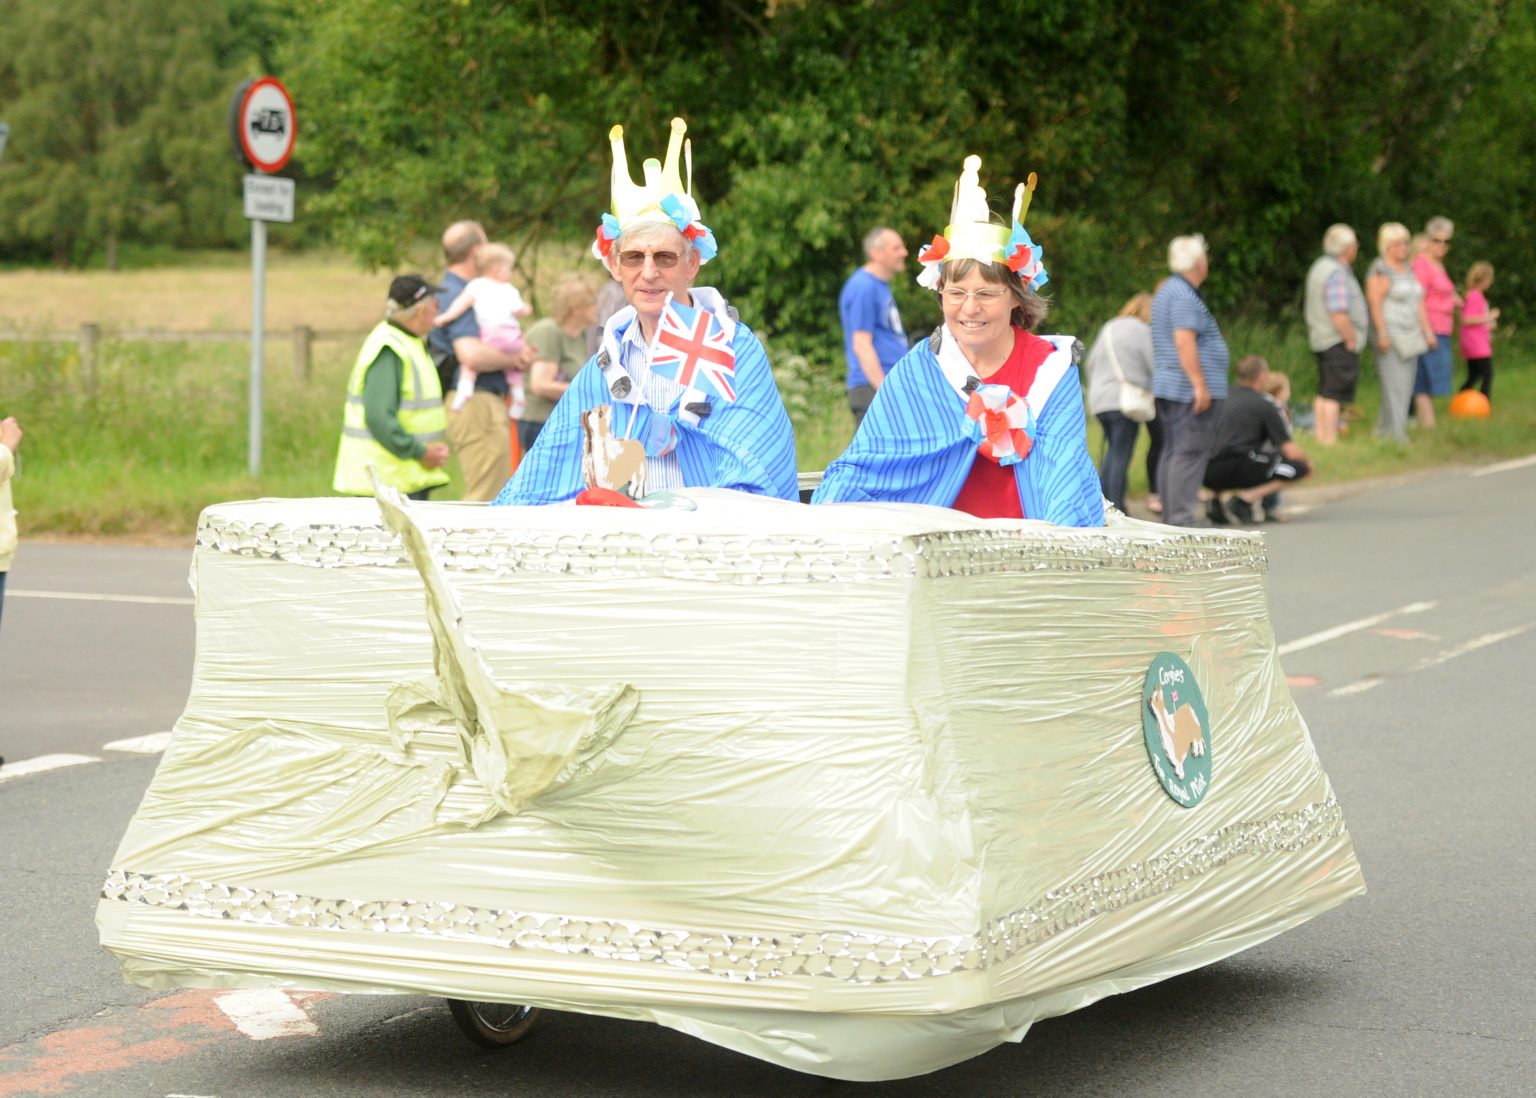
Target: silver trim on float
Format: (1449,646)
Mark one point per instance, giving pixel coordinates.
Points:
(848,956)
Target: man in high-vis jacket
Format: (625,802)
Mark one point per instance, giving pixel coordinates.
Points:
(394,418)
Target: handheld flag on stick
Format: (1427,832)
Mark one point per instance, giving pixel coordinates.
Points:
(692,348)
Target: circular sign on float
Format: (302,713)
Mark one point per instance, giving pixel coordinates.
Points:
(264,122)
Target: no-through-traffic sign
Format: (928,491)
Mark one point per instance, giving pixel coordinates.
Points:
(264,124)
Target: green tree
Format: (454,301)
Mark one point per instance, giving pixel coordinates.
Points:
(118,122)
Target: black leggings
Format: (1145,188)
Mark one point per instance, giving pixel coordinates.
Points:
(1479,376)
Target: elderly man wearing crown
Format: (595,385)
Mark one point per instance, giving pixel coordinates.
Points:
(680,393)
(983,417)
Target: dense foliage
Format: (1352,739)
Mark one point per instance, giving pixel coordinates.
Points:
(1257,122)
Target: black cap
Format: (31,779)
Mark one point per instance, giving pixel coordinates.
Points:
(406,290)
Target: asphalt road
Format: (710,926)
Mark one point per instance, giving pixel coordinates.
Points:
(1406,618)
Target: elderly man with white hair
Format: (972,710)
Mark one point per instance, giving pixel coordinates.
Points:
(1334,307)
(678,373)
(1189,378)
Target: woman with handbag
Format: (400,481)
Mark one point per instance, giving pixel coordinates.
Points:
(1120,395)
(1400,326)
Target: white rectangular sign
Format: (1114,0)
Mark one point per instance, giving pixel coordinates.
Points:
(268,198)
(5,131)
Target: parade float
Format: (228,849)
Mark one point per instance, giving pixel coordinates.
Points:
(861,789)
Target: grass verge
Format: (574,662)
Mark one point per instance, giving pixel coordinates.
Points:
(156,432)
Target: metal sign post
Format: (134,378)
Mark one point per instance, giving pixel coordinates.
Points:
(5,131)
(262,127)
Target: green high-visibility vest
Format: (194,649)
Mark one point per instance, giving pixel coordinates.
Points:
(421,415)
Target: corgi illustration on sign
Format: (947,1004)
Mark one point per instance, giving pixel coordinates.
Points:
(1177,729)
(1180,730)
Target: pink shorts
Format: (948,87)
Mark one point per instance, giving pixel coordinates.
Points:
(506,338)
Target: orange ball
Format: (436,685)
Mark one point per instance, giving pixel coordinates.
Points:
(1470,404)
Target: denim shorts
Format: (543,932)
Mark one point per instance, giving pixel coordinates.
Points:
(1433,377)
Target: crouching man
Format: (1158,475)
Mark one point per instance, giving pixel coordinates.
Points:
(1254,453)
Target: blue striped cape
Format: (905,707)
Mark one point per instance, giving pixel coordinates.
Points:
(747,444)
(914,445)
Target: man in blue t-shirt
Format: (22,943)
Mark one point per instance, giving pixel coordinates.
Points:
(1189,378)
(873,338)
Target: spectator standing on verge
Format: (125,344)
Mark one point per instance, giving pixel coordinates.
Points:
(1433,375)
(873,338)
(1401,325)
(1477,324)
(478,430)
(10,442)
(1189,377)
(559,343)
(1254,454)
(394,419)
(1127,341)
(1334,307)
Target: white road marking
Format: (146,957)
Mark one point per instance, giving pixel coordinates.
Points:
(81,596)
(266,1013)
(1505,466)
(152,744)
(1372,681)
(410,1014)
(1359,687)
(42,763)
(1352,627)
(1470,646)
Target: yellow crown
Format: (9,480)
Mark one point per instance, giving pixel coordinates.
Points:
(634,202)
(665,195)
(971,232)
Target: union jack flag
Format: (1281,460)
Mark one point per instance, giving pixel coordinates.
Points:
(692,348)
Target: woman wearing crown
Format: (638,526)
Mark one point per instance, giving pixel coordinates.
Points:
(677,375)
(984,416)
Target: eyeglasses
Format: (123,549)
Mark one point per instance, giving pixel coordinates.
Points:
(1440,240)
(663,260)
(954,295)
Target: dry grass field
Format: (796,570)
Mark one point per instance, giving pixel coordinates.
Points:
(212,293)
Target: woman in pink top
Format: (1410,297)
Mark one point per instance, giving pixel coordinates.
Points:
(1477,325)
(1441,301)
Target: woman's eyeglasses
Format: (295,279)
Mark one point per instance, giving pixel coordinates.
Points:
(663,260)
(954,295)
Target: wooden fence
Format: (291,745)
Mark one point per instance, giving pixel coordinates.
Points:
(89,337)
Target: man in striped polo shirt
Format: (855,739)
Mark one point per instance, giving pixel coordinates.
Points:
(1189,378)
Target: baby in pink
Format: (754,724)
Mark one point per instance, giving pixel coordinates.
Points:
(498,308)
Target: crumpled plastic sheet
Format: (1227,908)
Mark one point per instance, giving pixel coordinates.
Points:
(861,790)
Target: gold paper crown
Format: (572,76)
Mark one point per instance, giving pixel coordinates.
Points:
(665,196)
(634,202)
(971,232)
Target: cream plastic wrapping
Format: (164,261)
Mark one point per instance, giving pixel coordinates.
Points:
(862,790)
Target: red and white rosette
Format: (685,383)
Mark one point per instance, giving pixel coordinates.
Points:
(1001,422)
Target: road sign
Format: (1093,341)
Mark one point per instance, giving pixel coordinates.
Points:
(268,198)
(264,124)
(5,131)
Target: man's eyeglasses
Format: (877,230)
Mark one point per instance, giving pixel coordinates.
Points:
(663,260)
(954,295)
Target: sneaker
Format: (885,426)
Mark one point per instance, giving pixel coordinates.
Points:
(1215,512)
(1240,510)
